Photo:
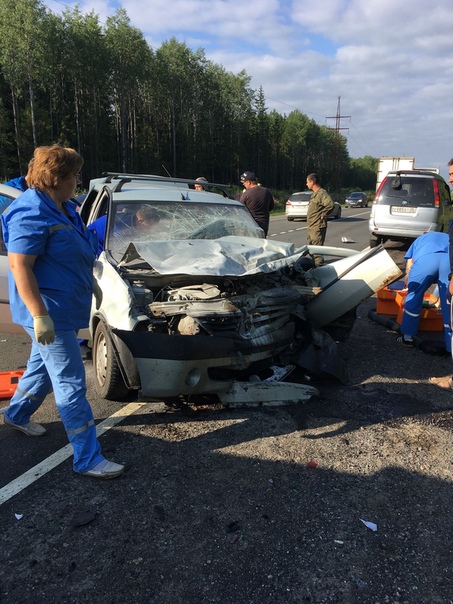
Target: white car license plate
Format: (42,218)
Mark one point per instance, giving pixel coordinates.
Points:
(403,210)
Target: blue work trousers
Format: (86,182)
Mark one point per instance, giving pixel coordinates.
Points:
(59,366)
(425,271)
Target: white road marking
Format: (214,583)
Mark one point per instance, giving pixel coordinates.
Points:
(30,476)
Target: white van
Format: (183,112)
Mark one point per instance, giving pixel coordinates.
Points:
(409,203)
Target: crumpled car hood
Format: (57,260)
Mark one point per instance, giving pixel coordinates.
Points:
(226,257)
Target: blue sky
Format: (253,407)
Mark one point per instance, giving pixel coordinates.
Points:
(390,61)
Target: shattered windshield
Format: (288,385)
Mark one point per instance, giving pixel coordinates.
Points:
(175,221)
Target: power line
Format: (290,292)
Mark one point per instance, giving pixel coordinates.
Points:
(294,107)
(375,153)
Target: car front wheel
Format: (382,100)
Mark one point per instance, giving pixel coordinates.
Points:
(108,379)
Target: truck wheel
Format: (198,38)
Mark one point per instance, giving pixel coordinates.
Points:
(109,382)
(374,241)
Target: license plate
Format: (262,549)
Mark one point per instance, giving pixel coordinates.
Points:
(403,210)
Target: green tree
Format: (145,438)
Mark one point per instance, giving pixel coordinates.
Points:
(363,173)
(23,43)
(128,58)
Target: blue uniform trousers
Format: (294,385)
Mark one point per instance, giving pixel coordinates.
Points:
(425,271)
(59,366)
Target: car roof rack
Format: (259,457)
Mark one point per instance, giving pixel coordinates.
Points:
(124,178)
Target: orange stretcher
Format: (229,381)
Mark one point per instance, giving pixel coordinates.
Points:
(9,381)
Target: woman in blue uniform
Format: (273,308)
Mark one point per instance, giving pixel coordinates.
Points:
(50,257)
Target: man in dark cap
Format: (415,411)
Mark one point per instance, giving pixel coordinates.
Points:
(257,199)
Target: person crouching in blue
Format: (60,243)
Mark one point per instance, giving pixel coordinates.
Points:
(427,262)
(51,256)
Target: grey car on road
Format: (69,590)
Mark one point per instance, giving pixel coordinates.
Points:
(357,199)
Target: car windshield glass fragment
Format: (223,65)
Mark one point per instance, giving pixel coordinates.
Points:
(173,221)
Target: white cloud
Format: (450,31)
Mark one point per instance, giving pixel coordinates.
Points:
(390,61)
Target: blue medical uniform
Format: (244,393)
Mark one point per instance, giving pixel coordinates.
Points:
(65,250)
(430,254)
(99,226)
(16,183)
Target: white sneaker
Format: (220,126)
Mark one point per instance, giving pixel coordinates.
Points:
(30,429)
(105,469)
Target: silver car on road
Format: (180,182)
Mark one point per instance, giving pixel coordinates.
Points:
(297,207)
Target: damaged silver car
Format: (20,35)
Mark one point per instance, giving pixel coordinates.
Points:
(197,302)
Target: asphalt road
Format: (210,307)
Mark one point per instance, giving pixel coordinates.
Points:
(353,225)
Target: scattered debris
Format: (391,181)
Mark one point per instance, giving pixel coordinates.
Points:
(266,394)
(370,525)
(347,240)
(19,516)
(312,464)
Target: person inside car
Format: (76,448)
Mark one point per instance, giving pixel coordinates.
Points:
(142,221)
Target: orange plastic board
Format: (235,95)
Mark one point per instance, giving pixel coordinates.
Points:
(386,294)
(8,382)
(400,298)
(386,307)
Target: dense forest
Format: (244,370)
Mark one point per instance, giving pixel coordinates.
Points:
(125,106)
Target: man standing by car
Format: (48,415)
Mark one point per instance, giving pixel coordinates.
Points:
(319,207)
(257,199)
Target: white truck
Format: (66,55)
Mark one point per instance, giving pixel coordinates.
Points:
(391,164)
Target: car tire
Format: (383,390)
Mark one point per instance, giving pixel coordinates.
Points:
(374,241)
(290,219)
(108,380)
(338,216)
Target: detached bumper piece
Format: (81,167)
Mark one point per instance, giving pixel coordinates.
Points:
(266,394)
